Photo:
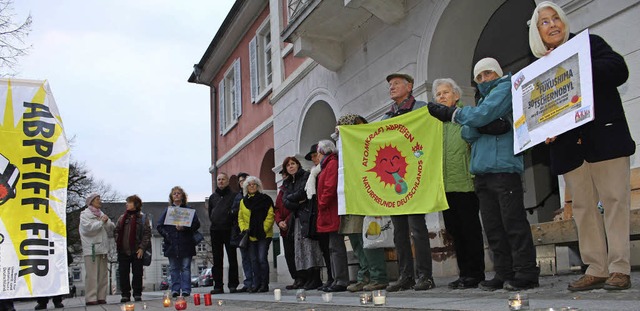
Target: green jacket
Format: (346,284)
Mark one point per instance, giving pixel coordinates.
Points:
(456,156)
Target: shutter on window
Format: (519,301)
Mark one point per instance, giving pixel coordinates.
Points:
(221,116)
(253,68)
(237,108)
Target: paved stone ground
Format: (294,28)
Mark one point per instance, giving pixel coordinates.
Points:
(552,293)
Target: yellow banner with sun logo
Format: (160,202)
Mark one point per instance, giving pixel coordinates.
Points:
(392,167)
(34,168)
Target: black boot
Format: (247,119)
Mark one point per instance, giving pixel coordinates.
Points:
(313,279)
(301,279)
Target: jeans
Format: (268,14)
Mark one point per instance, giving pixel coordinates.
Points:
(180,268)
(127,264)
(220,242)
(246,267)
(506,225)
(258,251)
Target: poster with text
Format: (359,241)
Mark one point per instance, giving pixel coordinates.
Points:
(34,169)
(391,167)
(554,94)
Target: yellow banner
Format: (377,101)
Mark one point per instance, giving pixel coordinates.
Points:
(392,167)
(34,168)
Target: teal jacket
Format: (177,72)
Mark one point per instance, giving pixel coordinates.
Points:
(456,158)
(490,153)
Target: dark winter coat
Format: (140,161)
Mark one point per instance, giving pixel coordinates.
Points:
(220,209)
(607,136)
(178,243)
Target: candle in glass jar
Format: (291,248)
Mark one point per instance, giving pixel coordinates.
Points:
(129,307)
(379,297)
(166,302)
(207,299)
(277,294)
(518,302)
(196,299)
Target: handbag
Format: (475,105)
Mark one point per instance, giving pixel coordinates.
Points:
(146,256)
(312,229)
(377,232)
(197,237)
(244,241)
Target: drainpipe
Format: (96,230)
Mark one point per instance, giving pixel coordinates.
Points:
(197,70)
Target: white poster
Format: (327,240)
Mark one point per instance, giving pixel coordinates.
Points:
(554,94)
(34,169)
(178,216)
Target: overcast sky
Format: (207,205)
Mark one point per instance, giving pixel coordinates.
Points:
(118,70)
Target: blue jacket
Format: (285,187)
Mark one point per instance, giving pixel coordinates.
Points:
(178,243)
(490,153)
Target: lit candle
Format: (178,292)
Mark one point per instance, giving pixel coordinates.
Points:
(518,302)
(220,302)
(207,299)
(196,299)
(379,298)
(166,302)
(129,307)
(277,294)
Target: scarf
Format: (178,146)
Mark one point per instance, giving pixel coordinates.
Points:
(130,217)
(96,211)
(258,204)
(223,192)
(310,187)
(402,108)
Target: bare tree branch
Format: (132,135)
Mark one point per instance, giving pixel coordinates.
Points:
(12,35)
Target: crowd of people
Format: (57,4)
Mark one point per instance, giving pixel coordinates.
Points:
(482,179)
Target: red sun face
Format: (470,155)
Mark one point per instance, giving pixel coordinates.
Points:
(389,161)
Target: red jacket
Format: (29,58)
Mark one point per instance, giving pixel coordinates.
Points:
(282,213)
(327,190)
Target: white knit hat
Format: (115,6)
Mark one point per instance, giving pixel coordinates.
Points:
(486,64)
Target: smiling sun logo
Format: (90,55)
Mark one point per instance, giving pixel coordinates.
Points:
(391,167)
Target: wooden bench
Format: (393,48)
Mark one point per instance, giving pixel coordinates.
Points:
(563,232)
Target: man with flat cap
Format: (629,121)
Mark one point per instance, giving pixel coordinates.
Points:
(409,226)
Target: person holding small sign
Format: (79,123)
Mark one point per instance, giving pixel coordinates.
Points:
(179,245)
(594,157)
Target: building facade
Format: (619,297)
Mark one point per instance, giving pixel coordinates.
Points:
(331,57)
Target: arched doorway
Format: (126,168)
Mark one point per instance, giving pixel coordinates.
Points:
(318,124)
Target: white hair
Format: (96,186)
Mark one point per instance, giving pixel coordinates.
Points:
(326,147)
(251,179)
(538,48)
(454,86)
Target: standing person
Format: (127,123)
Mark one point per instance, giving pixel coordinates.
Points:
(462,219)
(594,158)
(244,252)
(256,217)
(284,220)
(310,189)
(133,237)
(178,244)
(497,177)
(372,267)
(328,221)
(408,227)
(95,228)
(221,216)
(308,255)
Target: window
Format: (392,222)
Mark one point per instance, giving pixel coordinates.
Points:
(76,273)
(202,247)
(260,62)
(165,270)
(230,98)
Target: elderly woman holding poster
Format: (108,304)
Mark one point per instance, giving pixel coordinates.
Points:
(178,244)
(95,229)
(594,157)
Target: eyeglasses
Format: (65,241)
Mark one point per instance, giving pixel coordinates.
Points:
(547,22)
(251,184)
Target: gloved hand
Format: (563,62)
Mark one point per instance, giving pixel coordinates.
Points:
(441,112)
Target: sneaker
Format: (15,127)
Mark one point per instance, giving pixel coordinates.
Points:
(520,284)
(587,282)
(244,289)
(455,284)
(375,286)
(424,283)
(491,285)
(618,281)
(465,283)
(401,284)
(175,294)
(357,287)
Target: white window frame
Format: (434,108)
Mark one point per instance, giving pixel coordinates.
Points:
(230,98)
(202,247)
(261,62)
(76,271)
